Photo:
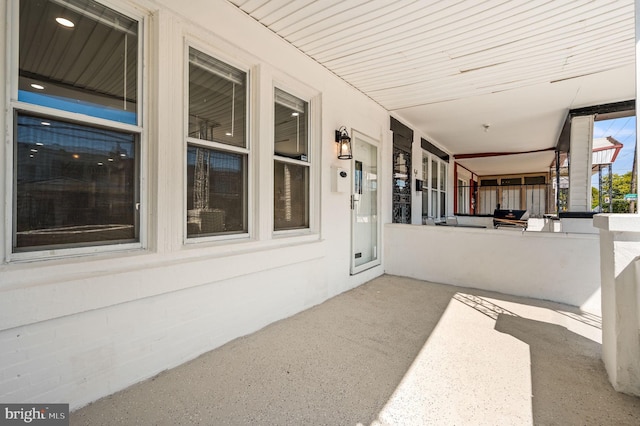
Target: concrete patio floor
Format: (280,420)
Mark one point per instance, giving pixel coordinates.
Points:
(394,351)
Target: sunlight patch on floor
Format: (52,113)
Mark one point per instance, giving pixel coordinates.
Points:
(466,373)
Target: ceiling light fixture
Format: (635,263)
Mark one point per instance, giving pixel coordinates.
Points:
(37,86)
(65,22)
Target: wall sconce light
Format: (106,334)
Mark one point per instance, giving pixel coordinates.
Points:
(344,144)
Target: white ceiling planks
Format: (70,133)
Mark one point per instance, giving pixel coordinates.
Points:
(416,56)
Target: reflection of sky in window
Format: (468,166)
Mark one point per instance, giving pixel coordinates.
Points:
(61,135)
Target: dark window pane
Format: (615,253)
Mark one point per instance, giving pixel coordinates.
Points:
(216,192)
(510,181)
(290,126)
(74,184)
(217,100)
(291,196)
(534,180)
(91,68)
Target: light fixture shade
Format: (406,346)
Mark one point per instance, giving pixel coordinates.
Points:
(344,144)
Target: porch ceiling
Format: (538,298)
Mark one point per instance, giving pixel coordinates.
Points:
(450,67)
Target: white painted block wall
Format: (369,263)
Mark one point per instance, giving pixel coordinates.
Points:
(543,265)
(75,329)
(620,272)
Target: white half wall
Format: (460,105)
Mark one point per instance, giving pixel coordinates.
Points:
(550,266)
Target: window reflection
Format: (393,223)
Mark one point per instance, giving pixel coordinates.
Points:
(217,100)
(89,67)
(291,196)
(216,192)
(290,126)
(74,184)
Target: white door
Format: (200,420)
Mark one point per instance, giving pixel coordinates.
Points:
(365,236)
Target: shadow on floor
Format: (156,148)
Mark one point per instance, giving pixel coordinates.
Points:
(337,363)
(569,382)
(387,348)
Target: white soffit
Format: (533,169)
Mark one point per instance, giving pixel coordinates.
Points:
(448,67)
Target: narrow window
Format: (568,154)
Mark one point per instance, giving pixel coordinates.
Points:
(291,163)
(217,149)
(434,195)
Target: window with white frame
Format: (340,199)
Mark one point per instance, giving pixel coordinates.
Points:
(217,148)
(77,126)
(291,162)
(434,195)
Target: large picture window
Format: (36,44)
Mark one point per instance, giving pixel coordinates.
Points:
(217,151)
(76,180)
(291,162)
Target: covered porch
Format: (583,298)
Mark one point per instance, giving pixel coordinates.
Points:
(392,351)
(419,86)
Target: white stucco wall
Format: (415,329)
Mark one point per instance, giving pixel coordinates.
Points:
(550,266)
(74,329)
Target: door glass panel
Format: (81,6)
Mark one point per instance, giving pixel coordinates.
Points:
(365,206)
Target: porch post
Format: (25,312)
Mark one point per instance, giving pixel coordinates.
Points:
(620,287)
(620,281)
(580,164)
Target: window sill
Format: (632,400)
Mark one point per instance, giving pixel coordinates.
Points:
(55,254)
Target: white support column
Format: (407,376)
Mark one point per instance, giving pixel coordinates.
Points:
(620,286)
(580,164)
(620,283)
